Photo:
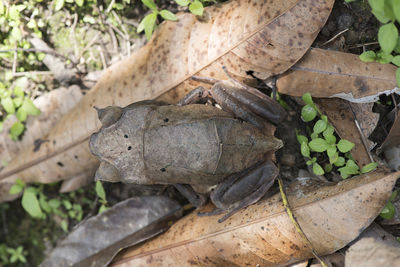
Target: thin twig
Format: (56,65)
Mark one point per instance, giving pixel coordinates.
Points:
(362,45)
(24,73)
(296,224)
(72,34)
(103,58)
(14,66)
(363,138)
(110,6)
(334,37)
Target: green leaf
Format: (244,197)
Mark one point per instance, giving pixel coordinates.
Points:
(308,99)
(30,203)
(196,7)
(384,58)
(397,48)
(311,161)
(320,126)
(67,204)
(16,130)
(89,19)
(21,115)
(165,14)
(330,139)
(314,135)
(59,4)
(369,167)
(396,61)
(398,77)
(29,107)
(20,182)
(18,91)
(317,169)
(388,211)
(15,189)
(368,56)
(1,8)
(393,196)
(334,158)
(8,105)
(339,162)
(100,191)
(387,37)
(17,101)
(318,145)
(64,225)
(305,150)
(79,2)
(301,138)
(308,113)
(54,203)
(396,9)
(182,2)
(149,23)
(331,151)
(345,146)
(377,5)
(102,208)
(44,204)
(328,167)
(150,4)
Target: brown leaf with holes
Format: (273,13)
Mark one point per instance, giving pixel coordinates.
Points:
(244,35)
(325,73)
(331,215)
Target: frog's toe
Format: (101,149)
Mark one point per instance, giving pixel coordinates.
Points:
(107,172)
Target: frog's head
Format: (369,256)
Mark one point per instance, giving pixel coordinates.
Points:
(108,115)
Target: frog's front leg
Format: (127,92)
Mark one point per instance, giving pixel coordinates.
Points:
(243,189)
(196,199)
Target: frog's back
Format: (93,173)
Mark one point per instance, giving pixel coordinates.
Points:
(199,144)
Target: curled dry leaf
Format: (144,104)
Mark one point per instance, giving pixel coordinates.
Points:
(243,35)
(325,73)
(96,241)
(343,116)
(330,215)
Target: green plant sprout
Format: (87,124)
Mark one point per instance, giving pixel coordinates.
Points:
(148,23)
(36,204)
(387,12)
(101,193)
(324,140)
(389,209)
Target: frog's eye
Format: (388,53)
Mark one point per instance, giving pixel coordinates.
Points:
(108,115)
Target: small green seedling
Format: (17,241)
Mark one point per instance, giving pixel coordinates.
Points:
(387,12)
(101,193)
(323,140)
(148,24)
(389,210)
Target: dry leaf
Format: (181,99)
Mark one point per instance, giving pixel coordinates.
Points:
(96,241)
(243,35)
(330,215)
(325,73)
(369,252)
(342,117)
(393,138)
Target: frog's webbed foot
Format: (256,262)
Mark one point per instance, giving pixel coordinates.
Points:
(215,211)
(244,188)
(194,198)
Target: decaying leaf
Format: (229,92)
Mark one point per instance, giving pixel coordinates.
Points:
(369,252)
(326,73)
(243,35)
(96,241)
(343,115)
(393,138)
(330,216)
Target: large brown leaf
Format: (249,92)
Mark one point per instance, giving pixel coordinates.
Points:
(330,215)
(266,37)
(325,73)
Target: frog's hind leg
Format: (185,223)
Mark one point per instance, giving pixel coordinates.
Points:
(245,188)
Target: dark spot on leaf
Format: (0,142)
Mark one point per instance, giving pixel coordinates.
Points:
(129,147)
(166,120)
(162,169)
(37,143)
(60,164)
(125,136)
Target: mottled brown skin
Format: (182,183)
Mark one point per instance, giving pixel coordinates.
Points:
(200,148)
